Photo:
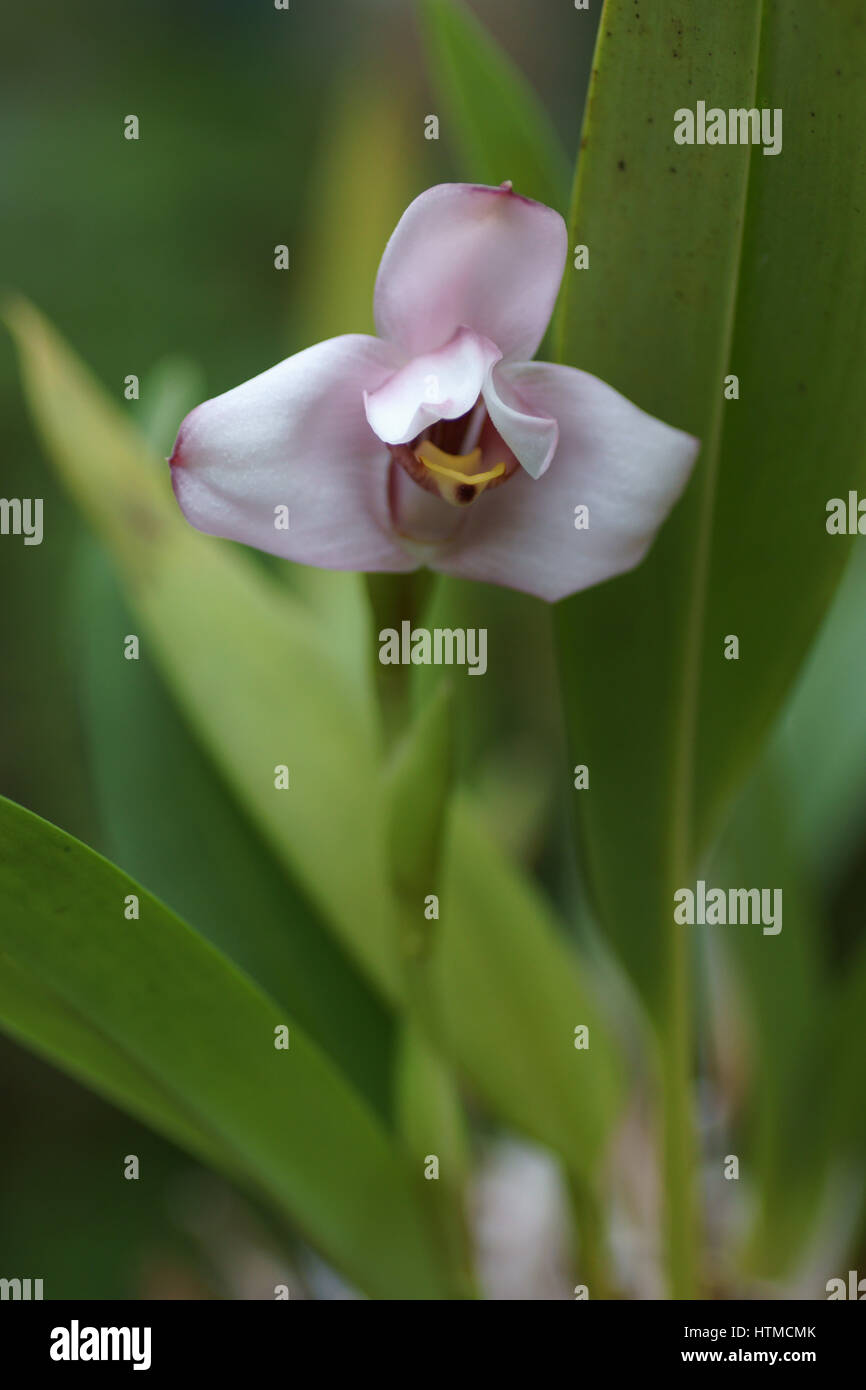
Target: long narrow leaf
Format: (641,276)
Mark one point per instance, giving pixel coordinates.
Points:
(697,273)
(187,1019)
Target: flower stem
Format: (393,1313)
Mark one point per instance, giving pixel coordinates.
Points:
(418,784)
(592,1263)
(395,598)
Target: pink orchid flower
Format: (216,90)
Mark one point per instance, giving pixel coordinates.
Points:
(439,442)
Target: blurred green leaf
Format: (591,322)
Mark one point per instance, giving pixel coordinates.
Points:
(254,671)
(168,392)
(338,601)
(846,1059)
(794,825)
(704,264)
(495,983)
(784,1142)
(499,125)
(201,1031)
(41,1017)
(419,788)
(818,748)
(353,207)
(90,1241)
(511,994)
(433,1126)
(431,1119)
(171,822)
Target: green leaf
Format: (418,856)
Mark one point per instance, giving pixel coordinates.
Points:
(429,1112)
(497,987)
(339,605)
(794,825)
(709,261)
(200,853)
(786,1142)
(91,1241)
(179,1013)
(253,670)
(168,392)
(419,789)
(819,746)
(511,994)
(431,1119)
(847,1058)
(352,190)
(40,1017)
(433,1126)
(501,129)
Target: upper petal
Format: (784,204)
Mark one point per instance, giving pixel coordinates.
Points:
(626,467)
(296,436)
(441,385)
(463,254)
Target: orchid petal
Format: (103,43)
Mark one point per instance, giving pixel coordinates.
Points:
(626,467)
(296,437)
(440,385)
(531,438)
(467,255)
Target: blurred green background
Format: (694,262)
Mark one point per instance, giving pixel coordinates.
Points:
(139,251)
